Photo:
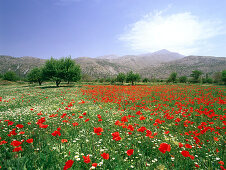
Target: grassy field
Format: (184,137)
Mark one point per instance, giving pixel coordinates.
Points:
(112,127)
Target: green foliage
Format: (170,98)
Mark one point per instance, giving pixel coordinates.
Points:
(217,77)
(224,76)
(36,75)
(145,80)
(183,79)
(86,78)
(10,76)
(72,72)
(1,75)
(121,77)
(196,76)
(132,77)
(63,69)
(172,77)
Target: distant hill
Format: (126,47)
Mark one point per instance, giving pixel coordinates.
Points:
(185,66)
(158,64)
(20,65)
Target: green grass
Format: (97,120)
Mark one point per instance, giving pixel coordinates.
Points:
(161,105)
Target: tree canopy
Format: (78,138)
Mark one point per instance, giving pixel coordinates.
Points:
(36,75)
(62,69)
(132,77)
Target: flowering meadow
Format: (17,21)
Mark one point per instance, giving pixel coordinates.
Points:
(112,127)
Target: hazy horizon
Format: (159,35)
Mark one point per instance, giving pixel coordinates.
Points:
(93,28)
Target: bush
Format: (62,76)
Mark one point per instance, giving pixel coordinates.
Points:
(10,76)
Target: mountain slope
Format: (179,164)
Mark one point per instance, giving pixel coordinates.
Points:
(185,66)
(158,64)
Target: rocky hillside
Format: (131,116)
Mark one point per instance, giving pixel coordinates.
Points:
(158,64)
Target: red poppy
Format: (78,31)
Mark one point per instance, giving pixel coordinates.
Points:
(185,153)
(164,147)
(17,149)
(68,164)
(130,152)
(29,141)
(105,156)
(94,164)
(19,126)
(56,133)
(16,143)
(188,146)
(86,159)
(180,145)
(98,130)
(75,124)
(142,129)
(43,126)
(64,140)
(116,136)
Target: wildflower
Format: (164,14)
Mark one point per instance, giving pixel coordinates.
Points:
(130,152)
(105,156)
(68,164)
(164,147)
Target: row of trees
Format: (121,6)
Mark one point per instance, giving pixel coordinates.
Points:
(196,77)
(65,69)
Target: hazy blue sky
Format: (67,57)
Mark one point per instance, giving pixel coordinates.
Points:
(45,28)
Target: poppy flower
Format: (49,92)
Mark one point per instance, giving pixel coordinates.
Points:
(17,149)
(43,126)
(75,124)
(116,136)
(185,153)
(130,152)
(94,164)
(29,141)
(188,146)
(19,126)
(64,140)
(142,129)
(164,147)
(56,133)
(16,143)
(98,130)
(68,164)
(86,159)
(105,156)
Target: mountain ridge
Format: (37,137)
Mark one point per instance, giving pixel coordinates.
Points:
(158,64)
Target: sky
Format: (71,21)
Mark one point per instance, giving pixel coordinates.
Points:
(92,28)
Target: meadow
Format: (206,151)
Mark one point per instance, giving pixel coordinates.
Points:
(112,127)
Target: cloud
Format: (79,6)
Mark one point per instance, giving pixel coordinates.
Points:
(181,32)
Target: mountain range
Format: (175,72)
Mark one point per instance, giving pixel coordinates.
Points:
(151,65)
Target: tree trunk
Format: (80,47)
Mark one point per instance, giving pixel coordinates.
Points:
(132,83)
(57,83)
(40,83)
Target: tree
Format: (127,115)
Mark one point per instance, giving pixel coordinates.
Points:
(172,77)
(132,77)
(10,76)
(36,75)
(1,75)
(71,70)
(121,77)
(224,76)
(196,76)
(63,69)
(217,77)
(183,79)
